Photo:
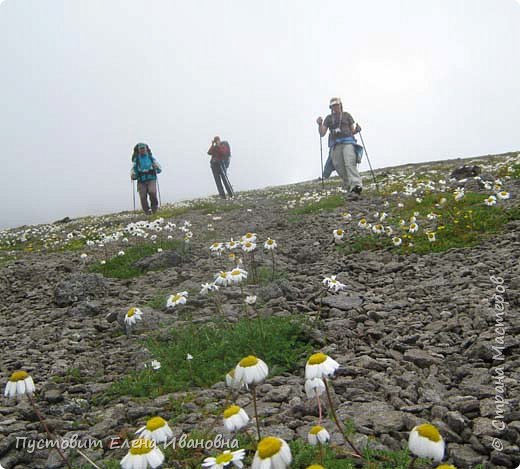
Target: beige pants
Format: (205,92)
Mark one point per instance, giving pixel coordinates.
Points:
(345,162)
(145,189)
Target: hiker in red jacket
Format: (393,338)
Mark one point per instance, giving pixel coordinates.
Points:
(220,155)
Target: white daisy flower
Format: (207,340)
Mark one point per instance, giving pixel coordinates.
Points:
(250,370)
(397,241)
(425,441)
(156,429)
(318,434)
(413,227)
(490,201)
(272,453)
(177,299)
(389,230)
(383,216)
(133,315)
(83,256)
(224,459)
(250,299)
(332,284)
(320,365)
(377,228)
(142,453)
(248,246)
(235,418)
(431,236)
(237,275)
(121,253)
(230,378)
(216,247)
(232,244)
(363,224)
(503,195)
(19,383)
(207,287)
(400,205)
(347,216)
(458,193)
(314,387)
(432,216)
(155,364)
(338,234)
(222,278)
(270,244)
(249,237)
(189,356)
(159,250)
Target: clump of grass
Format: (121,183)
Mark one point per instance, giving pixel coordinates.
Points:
(265,275)
(326,204)
(463,223)
(202,206)
(216,348)
(122,266)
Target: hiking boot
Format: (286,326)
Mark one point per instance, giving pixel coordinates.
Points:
(357,189)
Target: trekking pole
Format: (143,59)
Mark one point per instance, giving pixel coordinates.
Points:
(133,192)
(223,172)
(368,159)
(158,190)
(321,159)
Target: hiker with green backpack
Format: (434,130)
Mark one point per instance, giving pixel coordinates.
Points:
(220,156)
(145,169)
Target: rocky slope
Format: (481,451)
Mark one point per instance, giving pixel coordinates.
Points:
(419,337)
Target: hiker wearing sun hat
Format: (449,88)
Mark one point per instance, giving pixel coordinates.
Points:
(345,152)
(145,169)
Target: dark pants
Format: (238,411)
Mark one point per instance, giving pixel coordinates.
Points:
(329,167)
(218,168)
(145,189)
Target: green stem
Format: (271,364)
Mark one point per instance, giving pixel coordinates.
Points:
(272,256)
(336,420)
(253,391)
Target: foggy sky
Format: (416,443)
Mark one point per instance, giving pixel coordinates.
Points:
(83,81)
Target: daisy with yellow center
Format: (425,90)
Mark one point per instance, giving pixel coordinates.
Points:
(132,316)
(332,284)
(156,429)
(251,237)
(248,246)
(142,453)
(318,434)
(389,231)
(413,228)
(237,275)
(232,244)
(446,466)
(431,236)
(503,195)
(377,228)
(347,216)
(425,441)
(177,299)
(19,383)
(216,247)
(272,453)
(235,418)
(490,201)
(315,466)
(270,244)
(363,224)
(338,234)
(222,279)
(224,459)
(320,365)
(250,371)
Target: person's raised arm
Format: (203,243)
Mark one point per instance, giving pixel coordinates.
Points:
(322,129)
